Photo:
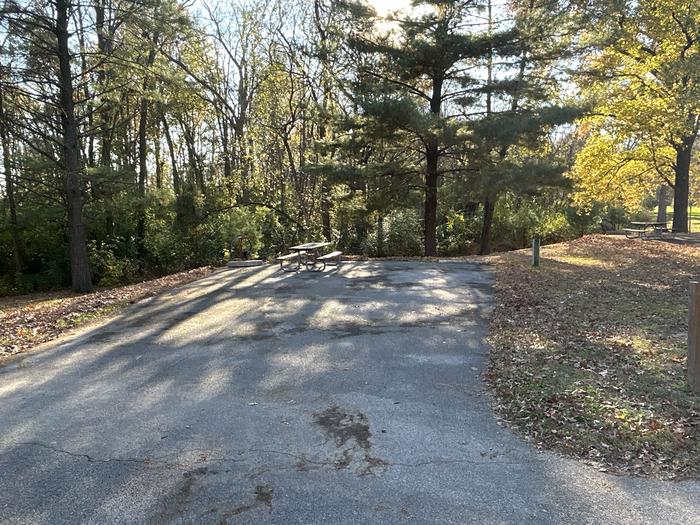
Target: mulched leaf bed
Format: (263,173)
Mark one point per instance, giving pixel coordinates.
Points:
(29,320)
(589,353)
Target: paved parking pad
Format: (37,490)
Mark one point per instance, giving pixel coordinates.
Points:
(256,396)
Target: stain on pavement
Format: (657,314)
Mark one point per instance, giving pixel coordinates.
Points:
(349,428)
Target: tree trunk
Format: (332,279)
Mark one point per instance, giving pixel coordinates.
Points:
(173,157)
(322,130)
(195,165)
(682,184)
(283,194)
(326,211)
(89,155)
(106,187)
(225,151)
(157,156)
(325,196)
(106,113)
(430,207)
(432,158)
(17,245)
(80,266)
(485,244)
(490,200)
(380,235)
(143,156)
(143,174)
(662,197)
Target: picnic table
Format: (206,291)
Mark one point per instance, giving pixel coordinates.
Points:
(309,254)
(645,229)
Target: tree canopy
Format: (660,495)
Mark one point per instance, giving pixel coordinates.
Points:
(141,137)
(644,87)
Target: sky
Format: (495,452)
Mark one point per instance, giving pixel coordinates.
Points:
(384,7)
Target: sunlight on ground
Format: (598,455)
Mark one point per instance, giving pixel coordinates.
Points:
(579,260)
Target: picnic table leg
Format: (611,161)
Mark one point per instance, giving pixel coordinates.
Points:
(298,258)
(309,266)
(287,270)
(312,263)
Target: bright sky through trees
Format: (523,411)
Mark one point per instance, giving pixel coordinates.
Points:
(384,7)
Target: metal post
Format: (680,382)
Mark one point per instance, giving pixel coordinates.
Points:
(535,252)
(694,337)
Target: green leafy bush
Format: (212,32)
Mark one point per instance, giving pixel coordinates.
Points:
(404,233)
(554,227)
(107,268)
(459,233)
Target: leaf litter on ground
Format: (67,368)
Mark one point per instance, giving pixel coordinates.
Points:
(589,353)
(29,320)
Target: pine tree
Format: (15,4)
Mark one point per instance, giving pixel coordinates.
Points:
(408,80)
(48,51)
(447,90)
(521,104)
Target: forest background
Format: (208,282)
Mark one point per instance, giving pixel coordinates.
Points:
(145,137)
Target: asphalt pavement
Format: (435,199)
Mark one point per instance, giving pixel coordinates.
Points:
(351,396)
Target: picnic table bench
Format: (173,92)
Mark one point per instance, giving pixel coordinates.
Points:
(325,259)
(309,254)
(289,256)
(645,229)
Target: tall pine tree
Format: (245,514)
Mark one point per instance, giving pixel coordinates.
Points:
(411,74)
(520,97)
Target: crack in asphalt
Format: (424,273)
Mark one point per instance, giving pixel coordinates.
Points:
(466,462)
(302,459)
(91,459)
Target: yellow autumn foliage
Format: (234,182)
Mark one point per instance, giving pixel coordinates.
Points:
(613,169)
(646,96)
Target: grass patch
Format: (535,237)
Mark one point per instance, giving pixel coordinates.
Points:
(28,320)
(693,216)
(589,353)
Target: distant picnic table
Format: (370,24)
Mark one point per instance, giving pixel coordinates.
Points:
(309,254)
(645,229)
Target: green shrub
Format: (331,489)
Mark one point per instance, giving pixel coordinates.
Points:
(107,268)
(404,233)
(458,234)
(354,223)
(554,227)
(585,220)
(616,217)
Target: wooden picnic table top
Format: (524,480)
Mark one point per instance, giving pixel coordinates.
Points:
(647,223)
(310,246)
